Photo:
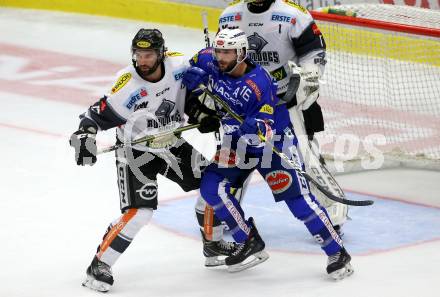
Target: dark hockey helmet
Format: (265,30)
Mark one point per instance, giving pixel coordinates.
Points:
(149,39)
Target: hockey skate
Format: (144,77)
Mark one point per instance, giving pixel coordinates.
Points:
(99,276)
(338,265)
(253,247)
(212,250)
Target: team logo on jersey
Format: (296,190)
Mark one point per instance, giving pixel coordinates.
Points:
(266,108)
(278,181)
(256,53)
(135,97)
(283,18)
(165,109)
(121,82)
(230,17)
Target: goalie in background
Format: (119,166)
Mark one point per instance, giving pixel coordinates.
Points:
(147,98)
(290,46)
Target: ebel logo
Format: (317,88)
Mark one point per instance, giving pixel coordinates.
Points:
(121,82)
(148,191)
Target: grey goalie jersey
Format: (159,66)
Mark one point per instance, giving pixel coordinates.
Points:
(285,32)
(140,108)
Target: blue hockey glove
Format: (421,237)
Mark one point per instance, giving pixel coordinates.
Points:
(193,77)
(252,126)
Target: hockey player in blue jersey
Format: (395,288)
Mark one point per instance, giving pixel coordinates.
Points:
(251,93)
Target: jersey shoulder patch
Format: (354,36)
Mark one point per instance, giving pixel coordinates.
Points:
(295,5)
(173,54)
(121,82)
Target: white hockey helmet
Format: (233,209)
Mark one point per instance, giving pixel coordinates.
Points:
(232,39)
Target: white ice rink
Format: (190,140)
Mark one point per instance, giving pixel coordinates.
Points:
(54,213)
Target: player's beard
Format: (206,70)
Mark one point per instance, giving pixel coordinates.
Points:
(146,70)
(227,67)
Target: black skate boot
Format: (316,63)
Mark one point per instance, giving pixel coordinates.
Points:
(253,246)
(338,265)
(99,276)
(212,250)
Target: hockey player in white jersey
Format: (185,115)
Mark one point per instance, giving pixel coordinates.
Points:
(284,39)
(148,97)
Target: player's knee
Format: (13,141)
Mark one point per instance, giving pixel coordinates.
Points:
(209,186)
(142,217)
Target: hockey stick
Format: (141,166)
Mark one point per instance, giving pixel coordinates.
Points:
(283,156)
(147,138)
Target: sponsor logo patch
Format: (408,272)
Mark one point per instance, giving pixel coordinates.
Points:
(230,17)
(315,29)
(173,54)
(148,191)
(279,181)
(121,82)
(135,97)
(279,73)
(266,108)
(255,88)
(143,44)
(283,18)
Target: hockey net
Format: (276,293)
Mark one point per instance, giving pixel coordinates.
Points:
(381,88)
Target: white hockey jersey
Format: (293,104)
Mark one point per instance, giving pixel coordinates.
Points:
(284,32)
(139,107)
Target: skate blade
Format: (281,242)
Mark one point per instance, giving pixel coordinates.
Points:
(214,262)
(96,285)
(342,273)
(258,258)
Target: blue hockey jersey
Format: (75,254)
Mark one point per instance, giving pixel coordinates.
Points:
(252,95)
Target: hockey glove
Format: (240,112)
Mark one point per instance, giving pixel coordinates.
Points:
(209,124)
(253,126)
(84,142)
(193,77)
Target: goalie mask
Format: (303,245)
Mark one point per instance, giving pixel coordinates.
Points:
(148,40)
(234,39)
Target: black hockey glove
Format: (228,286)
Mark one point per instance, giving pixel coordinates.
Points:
(84,142)
(209,124)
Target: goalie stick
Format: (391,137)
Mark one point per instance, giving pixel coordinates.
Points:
(283,156)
